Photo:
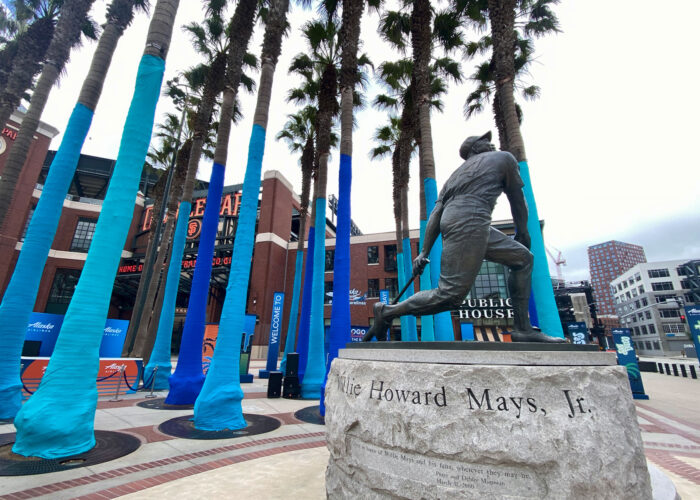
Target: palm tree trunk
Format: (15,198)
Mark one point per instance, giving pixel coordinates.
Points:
(67,35)
(502,17)
(340,312)
(22,289)
(307,159)
(186,382)
(421,41)
(26,63)
(219,403)
(75,361)
(145,336)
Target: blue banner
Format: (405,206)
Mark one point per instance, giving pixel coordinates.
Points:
(45,327)
(273,348)
(692,315)
(467,330)
(113,338)
(627,357)
(384,296)
(578,332)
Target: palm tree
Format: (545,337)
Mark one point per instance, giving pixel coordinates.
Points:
(33,26)
(68,29)
(22,289)
(299,132)
(75,360)
(186,382)
(502,16)
(218,406)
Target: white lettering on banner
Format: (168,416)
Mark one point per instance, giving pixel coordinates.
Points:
(109,329)
(115,367)
(487,309)
(41,326)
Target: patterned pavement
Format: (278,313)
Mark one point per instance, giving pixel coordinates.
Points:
(167,467)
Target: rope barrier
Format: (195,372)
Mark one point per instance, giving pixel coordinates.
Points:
(126,381)
(27,389)
(108,376)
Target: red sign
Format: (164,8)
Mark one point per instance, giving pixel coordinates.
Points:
(107,378)
(216,261)
(8,132)
(230,203)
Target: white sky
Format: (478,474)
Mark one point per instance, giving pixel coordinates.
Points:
(610,142)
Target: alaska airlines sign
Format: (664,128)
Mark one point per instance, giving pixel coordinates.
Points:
(230,204)
(486,309)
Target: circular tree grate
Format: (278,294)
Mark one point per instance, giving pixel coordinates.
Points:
(310,415)
(159,404)
(109,445)
(183,427)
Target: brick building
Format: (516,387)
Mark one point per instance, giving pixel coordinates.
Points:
(606,262)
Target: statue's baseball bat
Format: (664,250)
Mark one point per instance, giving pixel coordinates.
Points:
(405,287)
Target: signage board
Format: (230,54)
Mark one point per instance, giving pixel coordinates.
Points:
(627,357)
(273,348)
(578,332)
(692,315)
(211,332)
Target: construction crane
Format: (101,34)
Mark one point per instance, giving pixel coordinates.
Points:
(559,261)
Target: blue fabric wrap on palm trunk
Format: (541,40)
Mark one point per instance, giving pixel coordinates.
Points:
(160,356)
(427,333)
(412,333)
(187,380)
(305,317)
(20,295)
(219,404)
(442,322)
(547,312)
(315,365)
(68,391)
(340,313)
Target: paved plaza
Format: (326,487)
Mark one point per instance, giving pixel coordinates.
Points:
(290,461)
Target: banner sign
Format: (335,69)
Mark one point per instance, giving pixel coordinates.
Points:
(357,298)
(211,332)
(45,327)
(384,296)
(357,332)
(273,348)
(692,315)
(627,357)
(32,370)
(113,338)
(578,332)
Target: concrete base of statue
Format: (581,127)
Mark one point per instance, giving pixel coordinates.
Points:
(481,420)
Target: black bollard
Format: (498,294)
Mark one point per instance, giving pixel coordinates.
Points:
(683,372)
(692,372)
(668,369)
(675,369)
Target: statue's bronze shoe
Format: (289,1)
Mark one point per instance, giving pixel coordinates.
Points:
(534,336)
(380,325)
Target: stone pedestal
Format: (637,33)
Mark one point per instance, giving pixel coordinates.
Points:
(481,420)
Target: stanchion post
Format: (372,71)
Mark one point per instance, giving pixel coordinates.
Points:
(153,382)
(119,385)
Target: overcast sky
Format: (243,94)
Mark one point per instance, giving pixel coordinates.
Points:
(610,143)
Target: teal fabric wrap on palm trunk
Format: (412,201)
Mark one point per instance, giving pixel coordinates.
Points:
(20,295)
(315,363)
(547,312)
(160,356)
(218,405)
(68,390)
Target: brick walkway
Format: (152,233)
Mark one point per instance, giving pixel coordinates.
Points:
(670,442)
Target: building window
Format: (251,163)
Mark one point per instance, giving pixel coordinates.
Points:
(648,344)
(373,255)
(647,314)
(328,292)
(668,313)
(643,329)
(641,288)
(656,345)
(83,235)
(373,288)
(26,224)
(674,328)
(389,258)
(652,329)
(490,282)
(664,297)
(392,284)
(62,289)
(662,285)
(658,273)
(685,284)
(330,259)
